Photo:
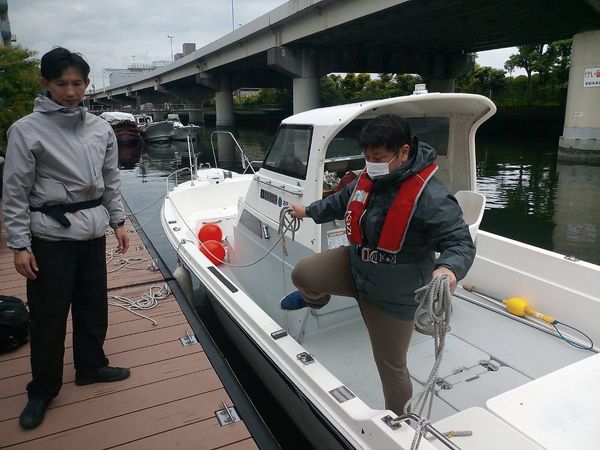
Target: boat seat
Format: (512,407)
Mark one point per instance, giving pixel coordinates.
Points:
(472,205)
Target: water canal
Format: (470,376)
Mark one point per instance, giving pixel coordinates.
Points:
(531,197)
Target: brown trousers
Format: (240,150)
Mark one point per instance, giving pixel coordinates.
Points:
(325,274)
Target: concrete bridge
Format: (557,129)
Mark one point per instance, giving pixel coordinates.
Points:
(296,44)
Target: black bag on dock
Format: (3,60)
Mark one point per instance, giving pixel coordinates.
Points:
(14,323)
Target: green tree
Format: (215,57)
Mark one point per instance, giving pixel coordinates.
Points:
(528,58)
(19,85)
(550,61)
(482,80)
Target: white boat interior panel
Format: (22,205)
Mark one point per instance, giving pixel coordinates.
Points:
(356,369)
(489,432)
(551,411)
(459,356)
(485,355)
(529,351)
(475,387)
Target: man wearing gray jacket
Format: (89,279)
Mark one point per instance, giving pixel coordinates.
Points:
(61,191)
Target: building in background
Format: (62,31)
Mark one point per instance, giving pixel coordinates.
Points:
(117,76)
(188,48)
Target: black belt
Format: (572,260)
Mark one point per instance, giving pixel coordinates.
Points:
(57,212)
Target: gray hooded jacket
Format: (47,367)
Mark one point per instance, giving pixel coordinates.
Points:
(437,225)
(60,155)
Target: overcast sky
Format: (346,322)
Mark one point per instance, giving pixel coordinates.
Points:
(115,33)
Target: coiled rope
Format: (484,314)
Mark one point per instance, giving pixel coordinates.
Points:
(130,263)
(434,301)
(147,301)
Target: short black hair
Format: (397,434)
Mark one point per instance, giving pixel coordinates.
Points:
(389,130)
(54,63)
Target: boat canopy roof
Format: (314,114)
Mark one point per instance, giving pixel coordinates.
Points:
(423,105)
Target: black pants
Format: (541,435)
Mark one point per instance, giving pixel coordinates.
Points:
(71,273)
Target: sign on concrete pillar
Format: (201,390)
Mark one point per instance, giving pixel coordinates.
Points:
(581,132)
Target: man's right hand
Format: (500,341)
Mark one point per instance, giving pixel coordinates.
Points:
(26,264)
(298,210)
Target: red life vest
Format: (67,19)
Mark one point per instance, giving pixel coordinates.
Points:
(399,214)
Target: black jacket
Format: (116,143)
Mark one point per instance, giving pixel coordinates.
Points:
(436,226)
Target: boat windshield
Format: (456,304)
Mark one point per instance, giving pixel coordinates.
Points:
(433,130)
(344,152)
(289,151)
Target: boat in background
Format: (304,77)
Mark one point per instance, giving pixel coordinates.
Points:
(159,132)
(182,133)
(129,140)
(143,120)
(508,378)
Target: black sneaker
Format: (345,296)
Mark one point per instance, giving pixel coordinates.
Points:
(102,375)
(33,414)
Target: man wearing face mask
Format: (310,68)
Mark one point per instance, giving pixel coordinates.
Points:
(397,216)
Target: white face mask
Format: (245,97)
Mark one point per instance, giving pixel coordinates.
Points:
(377,170)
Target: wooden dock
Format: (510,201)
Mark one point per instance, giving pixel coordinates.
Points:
(171,399)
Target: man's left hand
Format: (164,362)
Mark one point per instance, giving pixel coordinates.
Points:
(451,277)
(122,239)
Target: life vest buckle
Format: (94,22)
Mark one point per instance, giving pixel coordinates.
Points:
(376,256)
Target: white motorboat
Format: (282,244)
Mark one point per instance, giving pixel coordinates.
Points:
(181,133)
(505,381)
(160,132)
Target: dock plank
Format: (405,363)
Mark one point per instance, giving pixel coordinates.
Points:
(117,404)
(197,409)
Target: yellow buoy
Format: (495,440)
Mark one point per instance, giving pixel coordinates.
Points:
(519,307)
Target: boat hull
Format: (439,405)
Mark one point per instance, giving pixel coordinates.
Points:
(181,133)
(158,132)
(313,425)
(129,143)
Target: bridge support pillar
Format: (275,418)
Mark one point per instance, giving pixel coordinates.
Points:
(224,103)
(581,132)
(302,66)
(227,155)
(306,93)
(197,115)
(441,85)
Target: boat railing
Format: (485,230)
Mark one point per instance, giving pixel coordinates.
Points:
(246,163)
(175,173)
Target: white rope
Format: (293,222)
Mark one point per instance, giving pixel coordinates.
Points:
(434,301)
(146,302)
(420,431)
(132,229)
(135,263)
(132,213)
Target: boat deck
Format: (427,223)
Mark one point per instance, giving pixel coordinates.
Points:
(486,354)
(171,399)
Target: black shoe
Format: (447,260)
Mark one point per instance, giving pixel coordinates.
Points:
(33,414)
(102,375)
(293,301)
